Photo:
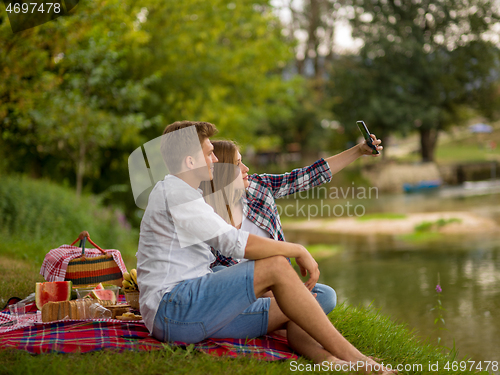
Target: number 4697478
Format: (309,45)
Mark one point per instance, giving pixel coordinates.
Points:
(35,8)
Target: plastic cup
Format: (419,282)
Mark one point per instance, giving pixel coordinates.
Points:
(18,312)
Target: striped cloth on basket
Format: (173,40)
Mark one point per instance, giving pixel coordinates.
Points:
(56,261)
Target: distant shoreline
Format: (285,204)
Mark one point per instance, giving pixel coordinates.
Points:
(465,223)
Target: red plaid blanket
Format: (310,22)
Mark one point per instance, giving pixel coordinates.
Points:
(56,261)
(71,336)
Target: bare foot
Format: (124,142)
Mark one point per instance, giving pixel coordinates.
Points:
(374,367)
(337,364)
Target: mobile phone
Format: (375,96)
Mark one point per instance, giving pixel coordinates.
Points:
(366,133)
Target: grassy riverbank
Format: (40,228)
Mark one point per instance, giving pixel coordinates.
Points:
(37,216)
(373,333)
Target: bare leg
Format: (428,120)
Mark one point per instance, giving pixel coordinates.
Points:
(298,304)
(304,344)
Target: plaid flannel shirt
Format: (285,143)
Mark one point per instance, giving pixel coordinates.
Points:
(261,207)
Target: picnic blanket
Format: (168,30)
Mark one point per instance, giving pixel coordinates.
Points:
(82,336)
(56,261)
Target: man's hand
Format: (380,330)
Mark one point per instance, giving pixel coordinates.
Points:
(367,150)
(307,264)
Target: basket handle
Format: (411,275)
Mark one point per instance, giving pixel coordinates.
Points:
(84,236)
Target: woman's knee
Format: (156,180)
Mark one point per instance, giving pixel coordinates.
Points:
(326,297)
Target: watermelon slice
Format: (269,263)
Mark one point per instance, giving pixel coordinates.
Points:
(104,295)
(99,287)
(54,291)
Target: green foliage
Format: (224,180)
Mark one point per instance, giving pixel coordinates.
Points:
(439,320)
(417,68)
(79,94)
(382,215)
(218,61)
(428,226)
(36,216)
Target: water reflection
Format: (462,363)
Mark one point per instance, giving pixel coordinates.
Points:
(401,280)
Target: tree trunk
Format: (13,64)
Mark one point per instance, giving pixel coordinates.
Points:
(80,169)
(313,42)
(428,140)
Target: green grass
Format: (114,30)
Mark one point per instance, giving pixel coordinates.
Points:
(37,213)
(321,251)
(374,334)
(428,226)
(450,152)
(382,215)
(474,147)
(37,216)
(420,237)
(428,231)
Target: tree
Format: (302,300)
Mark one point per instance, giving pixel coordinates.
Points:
(220,61)
(80,93)
(421,62)
(80,98)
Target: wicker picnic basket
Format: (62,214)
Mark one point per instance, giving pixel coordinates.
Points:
(93,270)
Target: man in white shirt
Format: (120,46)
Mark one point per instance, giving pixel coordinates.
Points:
(183,300)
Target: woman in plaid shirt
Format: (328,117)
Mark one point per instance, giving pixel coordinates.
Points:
(260,213)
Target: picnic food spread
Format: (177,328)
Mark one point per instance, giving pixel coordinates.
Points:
(129,282)
(84,308)
(52,292)
(75,328)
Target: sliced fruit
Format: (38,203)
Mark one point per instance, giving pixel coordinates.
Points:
(104,295)
(54,291)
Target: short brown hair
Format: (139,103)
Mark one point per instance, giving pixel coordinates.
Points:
(175,147)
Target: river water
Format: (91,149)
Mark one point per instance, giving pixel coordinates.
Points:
(400,277)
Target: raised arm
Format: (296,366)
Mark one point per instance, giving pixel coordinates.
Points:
(299,179)
(342,160)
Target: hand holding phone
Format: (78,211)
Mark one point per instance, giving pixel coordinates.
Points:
(366,134)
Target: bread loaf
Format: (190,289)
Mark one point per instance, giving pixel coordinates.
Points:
(75,309)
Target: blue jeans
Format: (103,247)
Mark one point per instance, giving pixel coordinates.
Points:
(219,305)
(326,295)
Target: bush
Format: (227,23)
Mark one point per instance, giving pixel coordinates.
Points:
(36,216)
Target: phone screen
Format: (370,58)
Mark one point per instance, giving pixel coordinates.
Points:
(366,134)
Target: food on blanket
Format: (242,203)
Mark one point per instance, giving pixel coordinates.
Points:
(75,309)
(100,292)
(133,273)
(129,316)
(129,282)
(104,295)
(118,310)
(85,291)
(53,291)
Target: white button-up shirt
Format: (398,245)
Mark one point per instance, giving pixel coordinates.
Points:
(177,231)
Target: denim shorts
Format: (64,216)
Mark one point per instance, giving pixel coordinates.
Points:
(219,305)
(325,295)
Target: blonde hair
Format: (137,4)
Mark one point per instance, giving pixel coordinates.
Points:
(220,193)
